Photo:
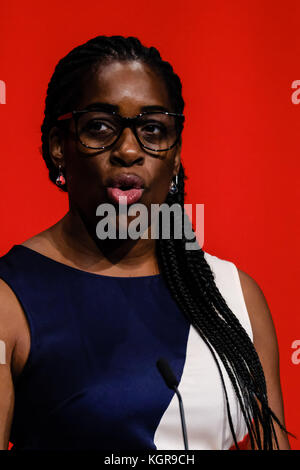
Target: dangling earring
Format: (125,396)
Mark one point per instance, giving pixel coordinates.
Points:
(60,180)
(174,186)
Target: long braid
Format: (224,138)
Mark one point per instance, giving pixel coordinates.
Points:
(220,328)
(187,274)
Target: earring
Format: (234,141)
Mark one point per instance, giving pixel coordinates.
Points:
(174,186)
(60,180)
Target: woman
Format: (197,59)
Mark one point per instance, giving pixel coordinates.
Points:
(85,319)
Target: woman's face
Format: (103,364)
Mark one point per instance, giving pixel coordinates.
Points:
(129,87)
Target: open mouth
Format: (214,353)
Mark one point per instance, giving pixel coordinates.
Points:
(126,186)
(129,187)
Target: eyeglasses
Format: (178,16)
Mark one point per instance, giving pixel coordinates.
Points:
(156,131)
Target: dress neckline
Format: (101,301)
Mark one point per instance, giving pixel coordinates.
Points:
(81,271)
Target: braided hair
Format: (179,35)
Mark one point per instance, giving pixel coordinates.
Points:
(186,272)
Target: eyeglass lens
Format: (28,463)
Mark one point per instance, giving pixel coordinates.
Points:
(97,129)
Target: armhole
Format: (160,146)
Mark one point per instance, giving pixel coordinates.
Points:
(242,302)
(29,322)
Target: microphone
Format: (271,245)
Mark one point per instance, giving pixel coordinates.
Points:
(172,383)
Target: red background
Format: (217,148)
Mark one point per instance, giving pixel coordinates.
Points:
(237,60)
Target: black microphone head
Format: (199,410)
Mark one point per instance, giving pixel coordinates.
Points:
(166,372)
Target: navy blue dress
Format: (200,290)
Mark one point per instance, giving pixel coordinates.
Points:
(91,381)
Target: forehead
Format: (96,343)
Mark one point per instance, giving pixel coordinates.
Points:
(128,85)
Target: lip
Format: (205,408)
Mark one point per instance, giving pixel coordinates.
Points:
(126,180)
(125,184)
(129,196)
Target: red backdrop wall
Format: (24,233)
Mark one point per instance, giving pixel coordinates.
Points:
(237,61)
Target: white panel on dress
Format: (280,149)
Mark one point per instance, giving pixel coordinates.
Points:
(201,386)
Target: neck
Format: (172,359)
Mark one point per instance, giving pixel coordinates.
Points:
(76,238)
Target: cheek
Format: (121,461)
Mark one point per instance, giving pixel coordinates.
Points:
(161,178)
(85,176)
(81,164)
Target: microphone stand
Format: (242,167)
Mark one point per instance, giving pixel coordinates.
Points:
(182,418)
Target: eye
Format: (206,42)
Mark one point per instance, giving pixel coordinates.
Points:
(152,128)
(99,127)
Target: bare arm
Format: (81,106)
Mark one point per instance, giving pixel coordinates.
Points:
(266,345)
(8,326)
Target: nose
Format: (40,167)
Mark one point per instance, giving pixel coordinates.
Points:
(127,151)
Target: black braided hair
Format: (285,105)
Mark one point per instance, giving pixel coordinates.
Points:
(186,272)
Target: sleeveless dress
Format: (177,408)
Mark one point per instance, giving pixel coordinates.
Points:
(91,381)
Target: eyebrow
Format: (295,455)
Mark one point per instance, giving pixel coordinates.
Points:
(114,108)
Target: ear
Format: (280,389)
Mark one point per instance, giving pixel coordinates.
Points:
(56,146)
(177,159)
